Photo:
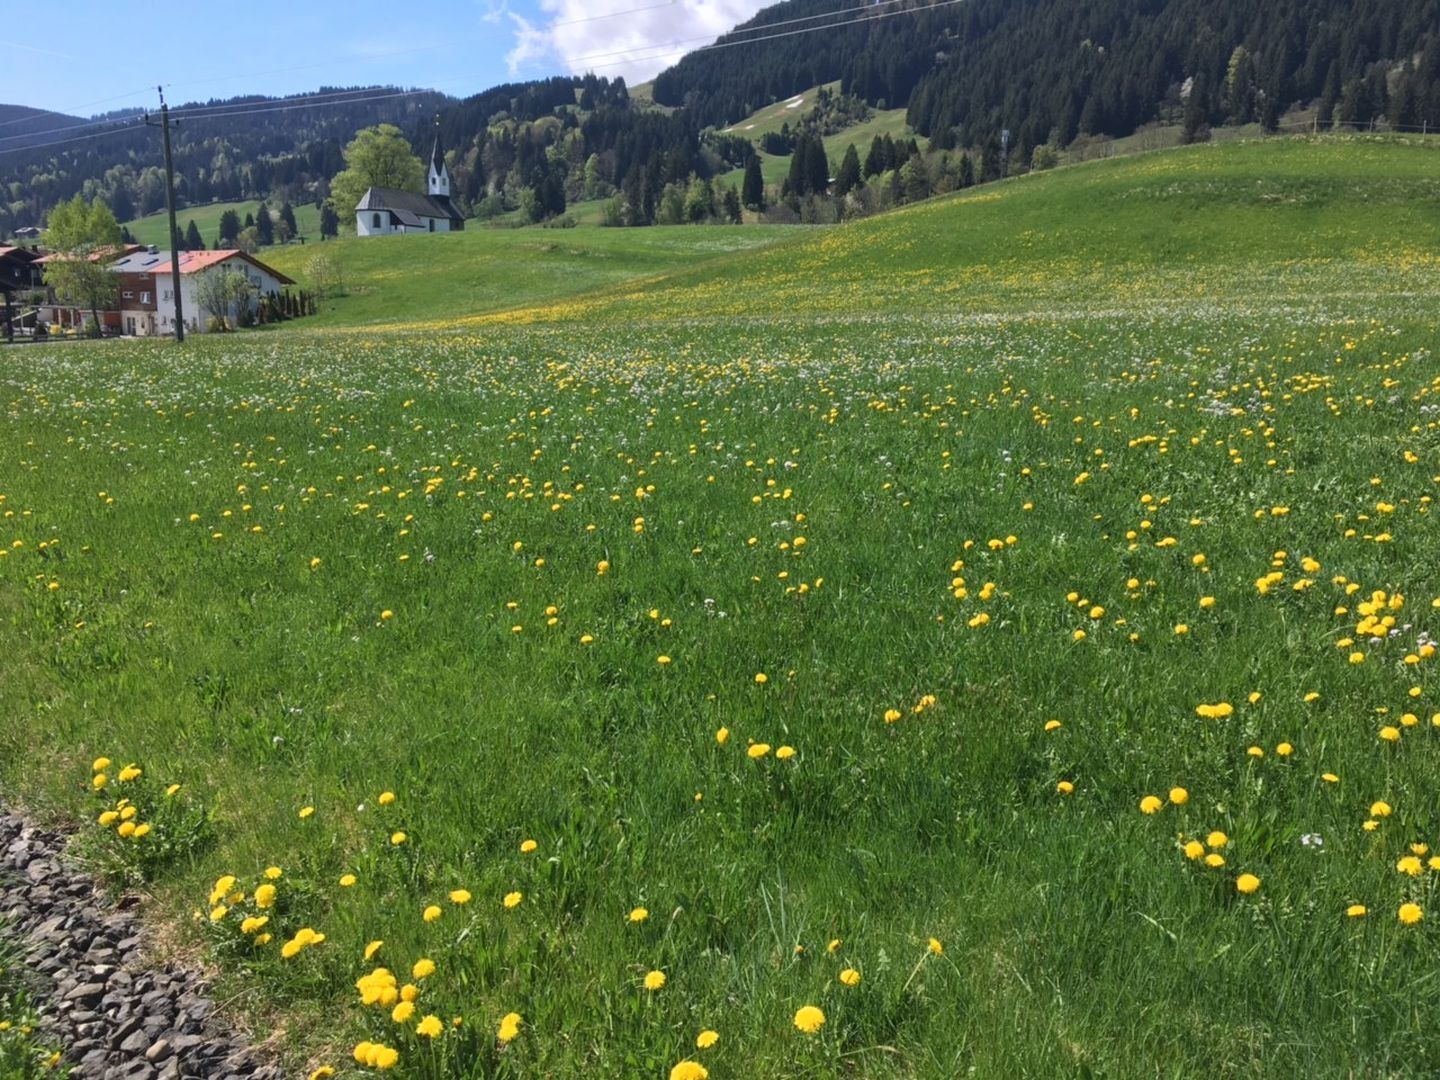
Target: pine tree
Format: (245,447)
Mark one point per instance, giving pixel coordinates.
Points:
(875,159)
(193,240)
(849,177)
(817,167)
(329,222)
(967,171)
(731,203)
(287,215)
(797,180)
(229,226)
(753,195)
(264,227)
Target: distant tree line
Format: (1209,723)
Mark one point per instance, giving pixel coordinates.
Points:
(237,156)
(1054,70)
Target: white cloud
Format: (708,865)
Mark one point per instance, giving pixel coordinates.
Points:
(633,38)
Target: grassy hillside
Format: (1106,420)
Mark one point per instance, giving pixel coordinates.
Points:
(152,228)
(775,167)
(1208,220)
(997,639)
(435,277)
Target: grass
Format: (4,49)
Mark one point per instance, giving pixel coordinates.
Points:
(152,229)
(524,571)
(775,167)
(431,278)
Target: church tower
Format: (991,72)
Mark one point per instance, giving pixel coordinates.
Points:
(439,179)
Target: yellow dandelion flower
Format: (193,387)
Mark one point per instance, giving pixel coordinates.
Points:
(639,915)
(654,980)
(809,1019)
(707,1039)
(1247,883)
(850,977)
(509,1027)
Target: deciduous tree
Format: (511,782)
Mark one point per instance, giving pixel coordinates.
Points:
(376,157)
(84,237)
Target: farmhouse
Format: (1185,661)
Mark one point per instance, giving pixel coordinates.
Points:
(144,303)
(382,211)
(152,273)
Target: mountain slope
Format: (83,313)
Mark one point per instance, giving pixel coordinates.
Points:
(1058,68)
(236,148)
(22,125)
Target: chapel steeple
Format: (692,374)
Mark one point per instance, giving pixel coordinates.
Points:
(439,178)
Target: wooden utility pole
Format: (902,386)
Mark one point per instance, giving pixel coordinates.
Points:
(164,126)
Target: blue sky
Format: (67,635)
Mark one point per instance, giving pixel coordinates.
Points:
(112,51)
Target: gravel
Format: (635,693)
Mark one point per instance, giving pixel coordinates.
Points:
(116,1017)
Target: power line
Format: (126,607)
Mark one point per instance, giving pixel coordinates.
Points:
(298,101)
(64,142)
(74,108)
(615,14)
(865,15)
(660,51)
(202,112)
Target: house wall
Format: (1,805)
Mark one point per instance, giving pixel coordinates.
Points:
(365,223)
(197,316)
(138,322)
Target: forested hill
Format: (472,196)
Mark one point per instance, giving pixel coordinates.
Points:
(20,123)
(237,148)
(1050,70)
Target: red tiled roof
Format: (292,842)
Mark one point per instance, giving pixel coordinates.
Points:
(192,262)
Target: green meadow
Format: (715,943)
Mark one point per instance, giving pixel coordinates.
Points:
(152,229)
(415,279)
(994,638)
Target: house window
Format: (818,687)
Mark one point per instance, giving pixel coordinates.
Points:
(127,295)
(145,298)
(432,224)
(375,221)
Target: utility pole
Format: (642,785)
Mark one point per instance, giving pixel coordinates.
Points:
(164,126)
